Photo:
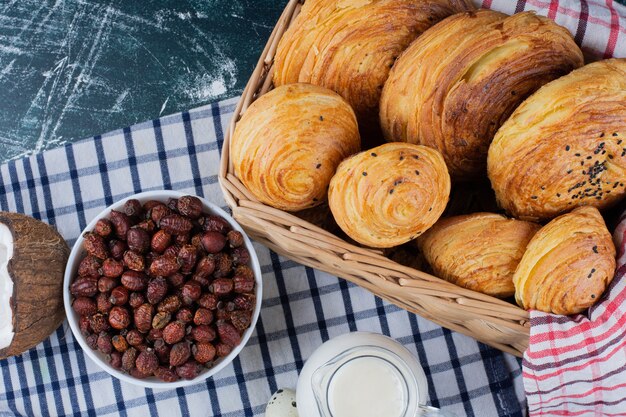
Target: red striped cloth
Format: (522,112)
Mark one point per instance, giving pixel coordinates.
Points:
(576,366)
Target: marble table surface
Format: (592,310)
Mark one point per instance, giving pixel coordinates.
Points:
(70,69)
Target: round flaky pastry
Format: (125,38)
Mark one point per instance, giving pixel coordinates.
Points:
(565,146)
(567,265)
(477,251)
(390,194)
(459,81)
(288,143)
(350,45)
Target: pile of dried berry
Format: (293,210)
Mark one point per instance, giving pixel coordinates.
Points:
(165,289)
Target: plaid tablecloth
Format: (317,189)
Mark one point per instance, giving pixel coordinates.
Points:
(301,307)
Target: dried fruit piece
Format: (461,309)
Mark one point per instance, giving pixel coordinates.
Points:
(241,319)
(103,228)
(157,288)
(203,316)
(106,284)
(134,280)
(119,343)
(136,299)
(181,239)
(162,350)
(84,326)
(115,360)
(104,343)
(134,261)
(189,370)
(240,255)
(121,223)
(132,208)
(128,358)
(147,362)
(92,341)
(214,223)
(155,334)
(176,224)
(245,302)
(204,352)
(89,267)
(161,319)
(147,225)
(223,265)
(138,240)
(176,280)
(228,333)
(235,238)
(242,285)
(190,292)
(213,242)
(84,306)
(160,241)
(158,212)
(166,374)
(163,266)
(208,301)
(84,287)
(135,373)
(179,353)
(119,318)
(112,268)
(170,304)
(203,333)
(189,206)
(117,249)
(95,246)
(222,349)
(221,287)
(104,303)
(134,338)
(185,315)
(143,317)
(174,332)
(172,204)
(119,295)
(99,323)
(187,256)
(205,266)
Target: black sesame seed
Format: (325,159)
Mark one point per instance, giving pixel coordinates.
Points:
(318,166)
(610,156)
(373,154)
(619,141)
(595,249)
(416,157)
(558,194)
(322,118)
(593,296)
(534,197)
(430,209)
(576,154)
(567,147)
(602,134)
(391,191)
(397,182)
(569,171)
(314,199)
(593,270)
(417,172)
(589,157)
(364,174)
(543,187)
(401,158)
(614,133)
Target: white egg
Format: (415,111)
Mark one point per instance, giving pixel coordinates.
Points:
(282,404)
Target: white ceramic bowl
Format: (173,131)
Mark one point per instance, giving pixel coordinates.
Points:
(77,255)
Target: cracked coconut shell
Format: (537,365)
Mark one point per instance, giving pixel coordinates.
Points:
(36,269)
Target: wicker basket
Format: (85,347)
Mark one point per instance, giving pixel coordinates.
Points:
(487,319)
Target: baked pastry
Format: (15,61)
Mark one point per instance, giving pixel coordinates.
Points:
(350,45)
(477,251)
(565,146)
(287,145)
(567,265)
(459,81)
(390,194)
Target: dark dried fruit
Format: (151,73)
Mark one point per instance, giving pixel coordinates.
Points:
(147,362)
(203,333)
(215,224)
(189,370)
(158,212)
(172,204)
(208,301)
(121,223)
(103,227)
(134,261)
(136,299)
(157,288)
(106,284)
(149,205)
(228,333)
(189,206)
(204,352)
(204,282)
(119,318)
(84,306)
(176,280)
(143,317)
(241,319)
(163,266)
(174,332)
(221,287)
(244,271)
(162,350)
(134,280)
(166,374)
(171,251)
(185,315)
(240,255)
(117,249)
(119,296)
(134,338)
(161,319)
(176,224)
(245,302)
(205,267)
(119,343)
(155,334)
(89,267)
(103,302)
(170,304)
(223,265)
(196,241)
(147,225)
(99,323)
(180,353)
(128,358)
(136,373)
(112,268)
(203,316)
(115,360)
(92,341)
(187,256)
(84,287)
(181,240)
(84,326)
(95,246)
(213,242)
(138,240)
(222,349)
(104,343)
(160,241)
(242,285)
(132,208)
(235,239)
(190,292)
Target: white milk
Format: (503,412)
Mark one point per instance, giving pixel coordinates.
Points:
(367,386)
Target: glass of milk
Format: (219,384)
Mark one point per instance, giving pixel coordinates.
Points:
(363,375)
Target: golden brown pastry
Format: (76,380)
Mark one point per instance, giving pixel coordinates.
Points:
(287,145)
(477,251)
(567,264)
(459,81)
(565,146)
(350,45)
(390,194)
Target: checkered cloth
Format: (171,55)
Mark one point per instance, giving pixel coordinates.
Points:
(302,307)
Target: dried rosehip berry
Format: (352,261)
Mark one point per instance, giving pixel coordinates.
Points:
(134,261)
(181,240)
(103,228)
(161,319)
(143,317)
(147,362)
(170,304)
(190,292)
(89,267)
(132,208)
(99,323)
(244,271)
(240,319)
(205,267)
(213,242)
(104,343)
(104,303)
(138,240)
(136,299)
(189,370)
(84,287)
(106,284)
(117,249)
(119,343)
(242,285)
(196,241)
(134,280)
(214,224)
(204,282)
(147,225)
(203,316)
(171,251)
(208,301)
(222,349)
(115,360)
(203,333)
(221,287)
(112,268)
(155,334)
(245,302)
(172,204)
(160,241)
(189,206)
(175,224)
(204,352)
(163,266)
(235,239)
(158,212)
(135,373)
(185,315)
(134,338)
(223,265)
(119,296)
(95,246)
(121,223)
(228,333)
(179,353)
(157,288)
(128,358)
(162,351)
(84,326)
(149,205)
(166,374)
(240,255)
(92,341)
(187,256)
(176,280)
(174,332)
(119,318)
(84,306)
